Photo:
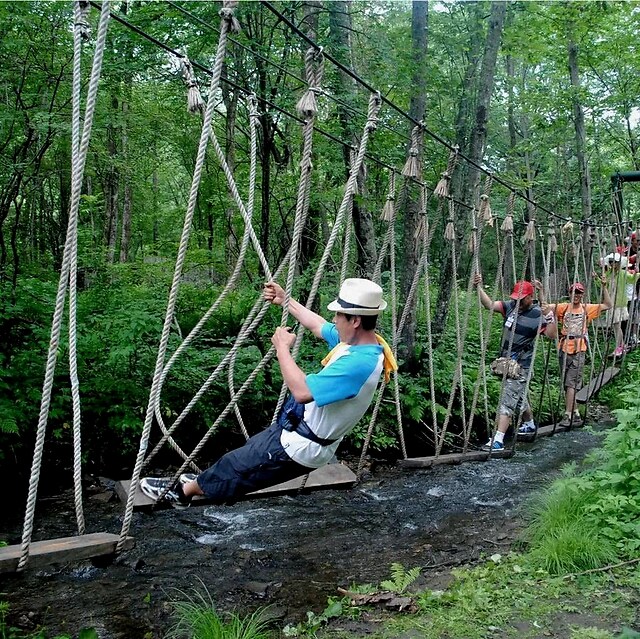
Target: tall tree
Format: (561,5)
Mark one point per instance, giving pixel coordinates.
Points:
(410,196)
(578,121)
(340,28)
(476,149)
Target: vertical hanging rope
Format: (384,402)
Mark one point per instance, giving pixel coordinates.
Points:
(260,307)
(71,239)
(485,204)
(79,33)
(450,236)
(422,263)
(228,23)
(254,114)
(387,215)
(314,70)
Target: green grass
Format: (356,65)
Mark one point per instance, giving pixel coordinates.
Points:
(196,618)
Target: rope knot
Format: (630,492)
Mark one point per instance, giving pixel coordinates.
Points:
(227,14)
(195,103)
(82,19)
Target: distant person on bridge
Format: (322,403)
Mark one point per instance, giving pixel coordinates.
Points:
(322,408)
(523,322)
(575,317)
(621,280)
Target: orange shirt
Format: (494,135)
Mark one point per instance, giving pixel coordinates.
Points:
(574,325)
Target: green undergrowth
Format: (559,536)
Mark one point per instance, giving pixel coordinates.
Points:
(577,576)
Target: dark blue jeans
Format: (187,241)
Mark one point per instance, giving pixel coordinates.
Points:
(260,463)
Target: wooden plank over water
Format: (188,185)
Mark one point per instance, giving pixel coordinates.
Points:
(62,550)
(586,392)
(331,476)
(455,458)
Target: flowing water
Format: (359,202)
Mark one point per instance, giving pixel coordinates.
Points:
(291,552)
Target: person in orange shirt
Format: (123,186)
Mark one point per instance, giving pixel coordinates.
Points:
(575,317)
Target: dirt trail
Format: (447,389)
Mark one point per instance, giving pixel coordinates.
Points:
(292,552)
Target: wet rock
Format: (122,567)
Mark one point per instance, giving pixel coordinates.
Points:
(257,588)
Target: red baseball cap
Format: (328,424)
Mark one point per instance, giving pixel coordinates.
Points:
(521,289)
(577,287)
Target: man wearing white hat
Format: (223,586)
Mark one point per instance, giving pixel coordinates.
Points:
(323,407)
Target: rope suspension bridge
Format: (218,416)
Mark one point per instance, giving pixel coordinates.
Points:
(562,254)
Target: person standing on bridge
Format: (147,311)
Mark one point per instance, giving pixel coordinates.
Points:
(575,317)
(322,408)
(523,322)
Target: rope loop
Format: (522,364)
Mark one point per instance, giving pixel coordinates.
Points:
(82,19)
(227,13)
(389,209)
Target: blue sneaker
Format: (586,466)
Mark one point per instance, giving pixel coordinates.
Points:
(496,445)
(527,429)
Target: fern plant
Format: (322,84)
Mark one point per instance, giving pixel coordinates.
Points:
(401,578)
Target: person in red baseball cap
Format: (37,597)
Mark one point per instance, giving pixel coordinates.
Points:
(523,322)
(574,317)
(521,290)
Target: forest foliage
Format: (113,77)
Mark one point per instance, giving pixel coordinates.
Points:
(141,158)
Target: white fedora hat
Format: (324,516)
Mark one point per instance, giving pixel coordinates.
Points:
(358,297)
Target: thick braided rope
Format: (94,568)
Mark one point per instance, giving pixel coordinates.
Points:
(253,122)
(389,208)
(427,303)
(487,218)
(251,322)
(76,188)
(346,251)
(575,278)
(225,26)
(457,375)
(394,341)
(497,289)
(240,204)
(370,125)
(596,350)
(422,264)
(518,416)
(390,217)
(79,29)
(550,265)
(230,285)
(476,243)
(314,68)
(517,412)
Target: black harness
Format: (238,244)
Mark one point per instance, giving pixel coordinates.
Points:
(291,419)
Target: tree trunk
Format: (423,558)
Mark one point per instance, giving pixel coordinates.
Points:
(340,38)
(578,121)
(312,231)
(475,153)
(127,204)
(410,197)
(111,185)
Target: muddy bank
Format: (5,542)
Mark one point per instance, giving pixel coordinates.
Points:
(292,552)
